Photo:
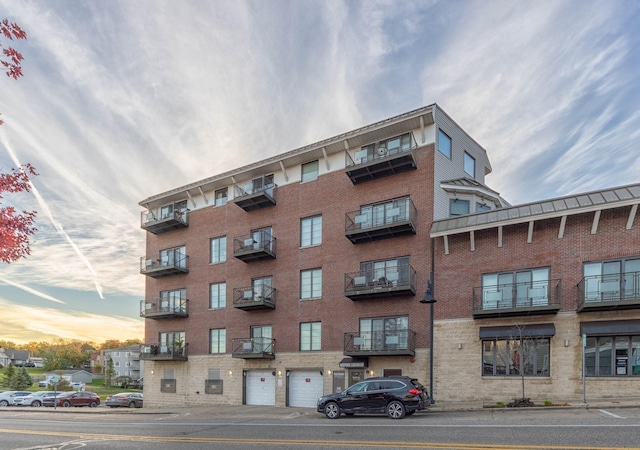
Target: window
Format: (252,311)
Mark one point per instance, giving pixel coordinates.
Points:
(311,231)
(614,280)
(388,272)
(174,257)
(173,301)
(168,382)
(262,288)
(218,295)
(469,164)
(311,284)
(170,341)
(218,250)
(173,210)
(517,289)
(607,356)
(218,339)
(481,207)
(261,339)
(384,333)
(458,207)
(221,197)
(444,144)
(384,213)
(262,238)
(381,149)
(310,336)
(516,357)
(310,171)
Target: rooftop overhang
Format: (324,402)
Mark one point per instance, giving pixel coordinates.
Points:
(416,119)
(592,202)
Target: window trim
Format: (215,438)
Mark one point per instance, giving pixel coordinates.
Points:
(312,175)
(315,233)
(312,336)
(223,298)
(222,344)
(470,159)
(312,273)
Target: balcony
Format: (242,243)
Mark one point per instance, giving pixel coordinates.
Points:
(255,247)
(517,299)
(380,343)
(397,281)
(256,194)
(253,348)
(381,221)
(164,308)
(609,292)
(157,267)
(254,297)
(157,352)
(381,159)
(167,222)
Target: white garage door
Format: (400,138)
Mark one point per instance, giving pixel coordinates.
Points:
(305,387)
(261,388)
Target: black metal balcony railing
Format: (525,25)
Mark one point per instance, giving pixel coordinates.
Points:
(517,299)
(157,224)
(608,292)
(162,266)
(157,352)
(380,343)
(253,348)
(380,283)
(254,297)
(380,160)
(381,220)
(255,246)
(256,194)
(164,308)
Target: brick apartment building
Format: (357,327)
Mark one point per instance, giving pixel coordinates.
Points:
(300,274)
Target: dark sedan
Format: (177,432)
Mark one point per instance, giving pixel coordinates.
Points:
(126,399)
(395,396)
(67,399)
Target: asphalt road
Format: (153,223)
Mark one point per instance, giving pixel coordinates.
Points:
(297,428)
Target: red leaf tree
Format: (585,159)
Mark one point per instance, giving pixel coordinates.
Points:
(15,227)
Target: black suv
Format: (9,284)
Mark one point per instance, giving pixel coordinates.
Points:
(395,396)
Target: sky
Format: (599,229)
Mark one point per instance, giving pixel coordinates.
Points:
(122,100)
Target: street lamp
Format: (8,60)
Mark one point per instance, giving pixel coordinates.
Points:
(430,299)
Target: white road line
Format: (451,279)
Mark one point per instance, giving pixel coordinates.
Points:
(611,414)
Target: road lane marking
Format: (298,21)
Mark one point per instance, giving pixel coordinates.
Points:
(611,414)
(304,442)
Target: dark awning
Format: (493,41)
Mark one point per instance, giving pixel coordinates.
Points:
(610,327)
(354,363)
(514,332)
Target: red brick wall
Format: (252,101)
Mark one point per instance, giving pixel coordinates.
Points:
(461,270)
(332,195)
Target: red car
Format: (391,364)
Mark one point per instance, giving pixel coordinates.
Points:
(67,399)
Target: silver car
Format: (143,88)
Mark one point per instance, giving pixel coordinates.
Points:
(6,397)
(33,399)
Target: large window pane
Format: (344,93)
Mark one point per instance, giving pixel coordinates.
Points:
(444,144)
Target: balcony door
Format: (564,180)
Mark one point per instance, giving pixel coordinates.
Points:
(261,338)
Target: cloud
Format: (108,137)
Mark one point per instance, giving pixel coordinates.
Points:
(44,324)
(30,290)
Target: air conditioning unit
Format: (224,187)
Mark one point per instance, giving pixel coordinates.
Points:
(381,151)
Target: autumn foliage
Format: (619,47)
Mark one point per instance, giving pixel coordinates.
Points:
(12,59)
(15,227)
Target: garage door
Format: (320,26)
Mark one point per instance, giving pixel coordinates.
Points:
(261,388)
(305,387)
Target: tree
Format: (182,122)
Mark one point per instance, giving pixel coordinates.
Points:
(12,61)
(109,373)
(15,228)
(9,375)
(21,380)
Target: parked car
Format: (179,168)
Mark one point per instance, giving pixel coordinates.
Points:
(126,399)
(73,398)
(6,398)
(33,399)
(395,396)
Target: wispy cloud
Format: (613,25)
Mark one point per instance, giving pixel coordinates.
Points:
(30,290)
